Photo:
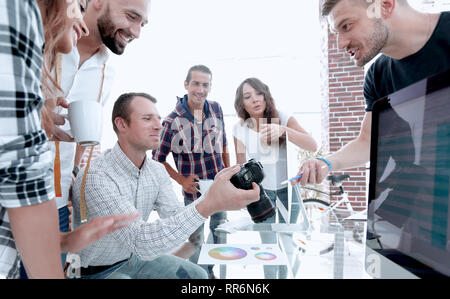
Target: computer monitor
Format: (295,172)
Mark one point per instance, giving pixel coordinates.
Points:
(408,204)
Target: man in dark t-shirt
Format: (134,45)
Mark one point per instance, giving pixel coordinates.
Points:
(387,75)
(413,45)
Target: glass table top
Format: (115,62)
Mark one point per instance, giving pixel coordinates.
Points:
(335,248)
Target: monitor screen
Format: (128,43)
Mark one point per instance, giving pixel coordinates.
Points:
(408,210)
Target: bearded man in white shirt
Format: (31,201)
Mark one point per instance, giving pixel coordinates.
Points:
(123,180)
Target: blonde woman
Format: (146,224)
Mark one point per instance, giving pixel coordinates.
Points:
(28,215)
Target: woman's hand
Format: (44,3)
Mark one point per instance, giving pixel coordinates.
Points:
(59,120)
(93,231)
(271,133)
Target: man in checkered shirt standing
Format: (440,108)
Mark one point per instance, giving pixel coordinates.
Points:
(195,135)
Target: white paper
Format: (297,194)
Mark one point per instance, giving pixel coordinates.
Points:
(287,227)
(241,254)
(235,225)
(314,244)
(204,185)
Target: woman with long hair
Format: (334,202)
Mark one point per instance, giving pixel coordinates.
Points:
(63,27)
(28,214)
(261,134)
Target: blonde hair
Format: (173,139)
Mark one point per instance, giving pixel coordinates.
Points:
(53,18)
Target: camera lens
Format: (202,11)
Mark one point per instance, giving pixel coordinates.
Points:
(262,209)
(250,172)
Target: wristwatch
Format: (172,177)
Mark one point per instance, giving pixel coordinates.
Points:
(75,171)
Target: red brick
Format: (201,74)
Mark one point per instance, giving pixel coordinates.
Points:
(345,110)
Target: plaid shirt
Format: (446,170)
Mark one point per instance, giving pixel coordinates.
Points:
(25,159)
(196,147)
(114,185)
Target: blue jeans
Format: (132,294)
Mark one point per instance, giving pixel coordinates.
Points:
(198,237)
(271,238)
(163,267)
(63,214)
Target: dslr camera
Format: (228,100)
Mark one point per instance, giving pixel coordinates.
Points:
(250,172)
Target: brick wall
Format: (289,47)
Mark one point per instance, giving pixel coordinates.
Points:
(343,110)
(346,113)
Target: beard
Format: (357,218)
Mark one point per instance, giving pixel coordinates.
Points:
(107,30)
(375,42)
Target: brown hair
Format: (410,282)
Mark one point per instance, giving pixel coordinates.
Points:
(198,68)
(270,113)
(53,18)
(326,6)
(121,106)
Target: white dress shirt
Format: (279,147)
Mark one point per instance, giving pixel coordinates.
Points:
(80,84)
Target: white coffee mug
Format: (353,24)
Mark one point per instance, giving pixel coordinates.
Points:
(85,119)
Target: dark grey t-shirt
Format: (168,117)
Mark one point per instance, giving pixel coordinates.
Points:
(387,75)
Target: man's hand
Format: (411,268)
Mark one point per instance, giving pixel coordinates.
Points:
(190,184)
(59,120)
(313,171)
(224,196)
(93,231)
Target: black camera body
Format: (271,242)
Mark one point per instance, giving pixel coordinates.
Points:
(250,172)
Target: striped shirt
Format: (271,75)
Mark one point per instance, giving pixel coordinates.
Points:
(114,185)
(196,147)
(25,159)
